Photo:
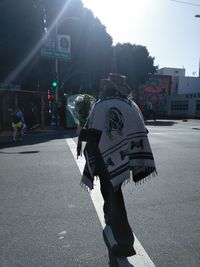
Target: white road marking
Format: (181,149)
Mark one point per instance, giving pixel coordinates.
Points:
(141,259)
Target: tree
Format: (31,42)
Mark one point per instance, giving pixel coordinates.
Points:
(23,24)
(91,45)
(133,61)
(21,30)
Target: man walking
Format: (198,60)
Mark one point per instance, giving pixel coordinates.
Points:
(117,150)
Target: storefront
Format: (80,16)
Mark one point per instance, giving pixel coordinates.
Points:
(33,104)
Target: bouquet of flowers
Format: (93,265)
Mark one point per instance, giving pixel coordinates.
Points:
(82,108)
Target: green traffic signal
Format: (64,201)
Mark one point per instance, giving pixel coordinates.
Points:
(54,84)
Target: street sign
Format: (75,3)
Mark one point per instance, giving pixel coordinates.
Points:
(59,48)
(63,43)
(55,54)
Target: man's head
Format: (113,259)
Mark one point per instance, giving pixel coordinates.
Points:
(114,85)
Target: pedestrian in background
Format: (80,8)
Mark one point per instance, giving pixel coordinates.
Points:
(34,120)
(117,149)
(18,124)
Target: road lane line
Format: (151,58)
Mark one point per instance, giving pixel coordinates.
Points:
(141,259)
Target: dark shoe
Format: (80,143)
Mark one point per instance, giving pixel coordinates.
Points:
(123,250)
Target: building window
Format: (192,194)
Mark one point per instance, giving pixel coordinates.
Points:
(198,105)
(179,105)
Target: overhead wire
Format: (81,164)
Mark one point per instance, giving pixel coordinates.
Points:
(186,3)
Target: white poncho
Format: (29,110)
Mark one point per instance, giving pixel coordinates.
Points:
(117,130)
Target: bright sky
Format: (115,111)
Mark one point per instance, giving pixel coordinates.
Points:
(167,28)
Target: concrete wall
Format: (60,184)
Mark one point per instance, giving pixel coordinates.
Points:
(189,85)
(184,101)
(183,106)
(174,72)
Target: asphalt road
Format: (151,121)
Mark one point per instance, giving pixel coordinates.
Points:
(165,212)
(46,219)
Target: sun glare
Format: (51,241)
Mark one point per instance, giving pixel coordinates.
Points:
(119,15)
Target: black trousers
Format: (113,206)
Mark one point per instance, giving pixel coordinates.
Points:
(114,210)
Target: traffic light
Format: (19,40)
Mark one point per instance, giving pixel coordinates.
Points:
(54,84)
(51,94)
(48,96)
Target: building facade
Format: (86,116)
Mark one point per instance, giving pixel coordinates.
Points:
(26,100)
(184,98)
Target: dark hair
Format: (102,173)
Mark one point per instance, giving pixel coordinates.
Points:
(115,85)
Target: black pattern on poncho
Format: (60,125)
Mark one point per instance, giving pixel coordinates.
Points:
(117,134)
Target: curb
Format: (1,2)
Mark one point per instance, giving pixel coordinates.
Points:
(5,134)
(9,133)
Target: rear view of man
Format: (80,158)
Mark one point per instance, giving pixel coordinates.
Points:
(117,150)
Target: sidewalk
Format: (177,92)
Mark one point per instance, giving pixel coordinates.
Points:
(174,122)
(6,136)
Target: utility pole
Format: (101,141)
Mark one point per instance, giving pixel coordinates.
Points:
(55,115)
(198,16)
(56,62)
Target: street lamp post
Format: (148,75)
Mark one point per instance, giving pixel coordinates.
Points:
(54,116)
(58,21)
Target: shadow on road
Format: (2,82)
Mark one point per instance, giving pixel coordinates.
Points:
(32,139)
(160,123)
(22,152)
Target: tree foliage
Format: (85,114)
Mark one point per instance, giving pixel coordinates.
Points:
(23,24)
(133,61)
(20,29)
(91,47)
